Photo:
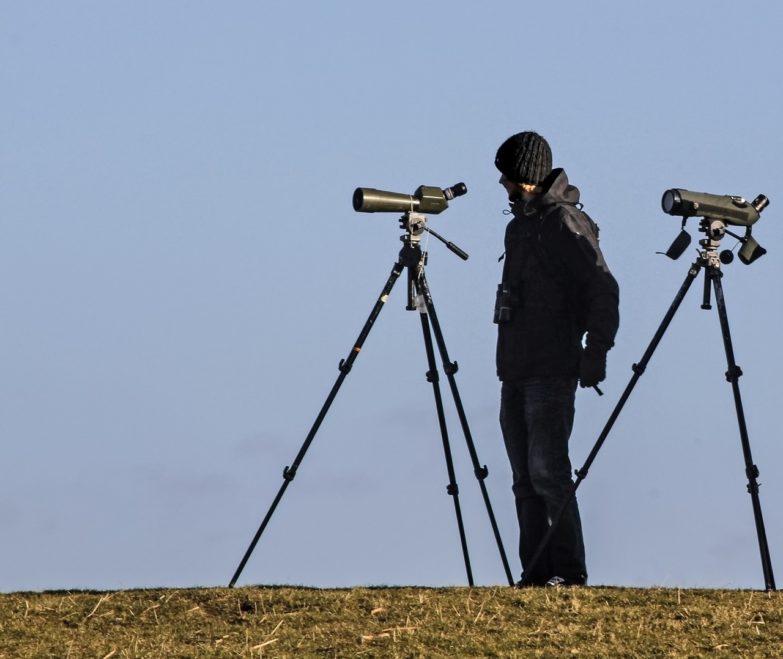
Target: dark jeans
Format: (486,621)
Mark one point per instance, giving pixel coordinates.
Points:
(536,416)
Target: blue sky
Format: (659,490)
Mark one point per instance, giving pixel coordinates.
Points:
(181,272)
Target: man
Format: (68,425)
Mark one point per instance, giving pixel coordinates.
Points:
(557,315)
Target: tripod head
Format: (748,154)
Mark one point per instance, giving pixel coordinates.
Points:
(714,230)
(413,258)
(415,224)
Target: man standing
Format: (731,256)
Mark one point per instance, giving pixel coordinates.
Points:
(557,315)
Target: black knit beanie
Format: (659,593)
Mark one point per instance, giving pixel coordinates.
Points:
(524,158)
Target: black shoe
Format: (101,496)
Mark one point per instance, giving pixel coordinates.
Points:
(532,583)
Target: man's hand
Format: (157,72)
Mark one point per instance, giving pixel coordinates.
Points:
(592,368)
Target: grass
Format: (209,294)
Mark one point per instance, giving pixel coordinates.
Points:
(392,622)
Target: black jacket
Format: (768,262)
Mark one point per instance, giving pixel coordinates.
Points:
(558,285)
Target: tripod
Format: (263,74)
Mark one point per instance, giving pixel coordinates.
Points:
(412,259)
(708,260)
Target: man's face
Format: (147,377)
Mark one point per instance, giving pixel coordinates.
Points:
(518,191)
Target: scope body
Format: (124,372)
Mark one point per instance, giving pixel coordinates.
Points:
(730,209)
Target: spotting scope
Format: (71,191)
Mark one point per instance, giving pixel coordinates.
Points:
(729,209)
(426,199)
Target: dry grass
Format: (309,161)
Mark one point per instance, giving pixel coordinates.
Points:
(392,622)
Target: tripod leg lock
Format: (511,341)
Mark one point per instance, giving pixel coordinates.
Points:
(344,366)
(581,474)
(432,376)
(752,472)
(452,489)
(733,374)
(481,472)
(451,368)
(638,369)
(289,473)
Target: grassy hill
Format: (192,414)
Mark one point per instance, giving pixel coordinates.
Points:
(392,622)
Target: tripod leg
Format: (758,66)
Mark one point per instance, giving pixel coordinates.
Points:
(751,470)
(345,366)
(638,370)
(452,488)
(450,369)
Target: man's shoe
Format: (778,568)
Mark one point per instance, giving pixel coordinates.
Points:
(530,583)
(524,584)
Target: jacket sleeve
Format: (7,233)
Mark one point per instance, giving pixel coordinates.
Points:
(594,289)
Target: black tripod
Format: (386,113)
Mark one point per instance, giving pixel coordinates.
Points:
(710,261)
(413,259)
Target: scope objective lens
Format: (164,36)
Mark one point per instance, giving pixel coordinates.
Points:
(670,201)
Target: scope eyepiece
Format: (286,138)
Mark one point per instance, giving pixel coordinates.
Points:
(760,203)
(456,190)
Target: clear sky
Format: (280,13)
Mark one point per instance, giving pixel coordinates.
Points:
(181,272)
